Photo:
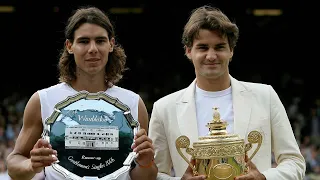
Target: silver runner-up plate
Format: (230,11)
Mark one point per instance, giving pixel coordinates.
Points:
(93,134)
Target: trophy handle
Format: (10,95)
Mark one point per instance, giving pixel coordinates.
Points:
(253,138)
(183,142)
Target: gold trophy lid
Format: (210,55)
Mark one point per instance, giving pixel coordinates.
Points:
(218,131)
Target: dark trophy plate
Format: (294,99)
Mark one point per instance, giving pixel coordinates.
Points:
(93,134)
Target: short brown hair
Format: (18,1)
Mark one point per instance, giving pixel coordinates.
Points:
(210,18)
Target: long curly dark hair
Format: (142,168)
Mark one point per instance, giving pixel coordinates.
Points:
(117,58)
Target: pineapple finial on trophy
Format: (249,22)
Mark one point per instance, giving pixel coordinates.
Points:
(217,126)
(216,115)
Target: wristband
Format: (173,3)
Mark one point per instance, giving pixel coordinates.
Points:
(146,166)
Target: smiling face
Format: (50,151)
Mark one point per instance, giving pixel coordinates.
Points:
(91,48)
(210,55)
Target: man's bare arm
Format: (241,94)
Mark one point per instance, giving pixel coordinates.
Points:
(18,162)
(139,173)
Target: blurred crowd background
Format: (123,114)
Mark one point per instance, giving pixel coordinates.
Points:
(275,47)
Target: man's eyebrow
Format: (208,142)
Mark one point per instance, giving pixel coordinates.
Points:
(221,44)
(201,44)
(101,37)
(98,37)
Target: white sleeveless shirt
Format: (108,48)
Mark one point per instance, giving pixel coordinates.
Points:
(50,96)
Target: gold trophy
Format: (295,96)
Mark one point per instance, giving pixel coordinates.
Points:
(219,156)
